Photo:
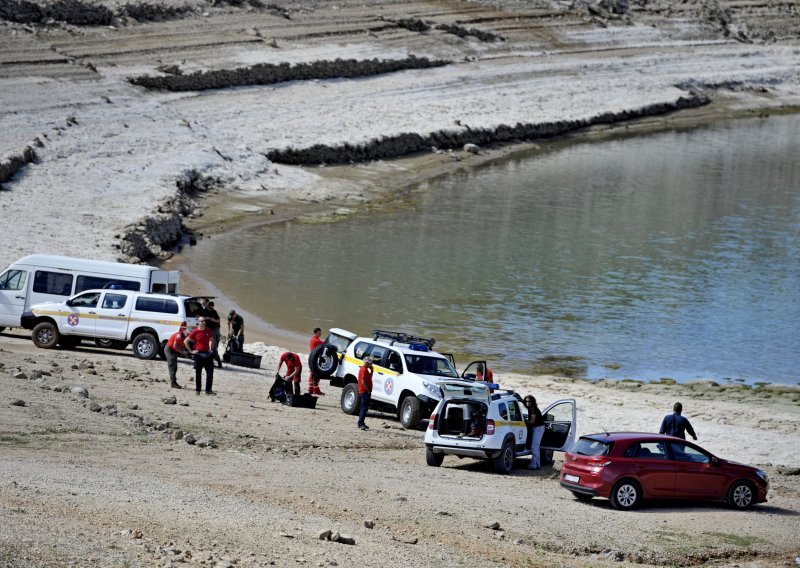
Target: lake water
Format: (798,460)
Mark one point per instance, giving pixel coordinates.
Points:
(665,255)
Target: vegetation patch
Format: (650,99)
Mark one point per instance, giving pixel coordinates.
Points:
(571,366)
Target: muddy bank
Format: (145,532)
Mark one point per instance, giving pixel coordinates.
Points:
(267,74)
(409,143)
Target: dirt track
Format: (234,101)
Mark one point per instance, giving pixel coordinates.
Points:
(113,487)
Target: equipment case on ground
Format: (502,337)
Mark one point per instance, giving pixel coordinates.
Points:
(245,359)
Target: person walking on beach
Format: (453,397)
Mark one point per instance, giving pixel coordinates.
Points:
(313,380)
(236,331)
(294,369)
(535,425)
(364,391)
(676,425)
(199,344)
(174,348)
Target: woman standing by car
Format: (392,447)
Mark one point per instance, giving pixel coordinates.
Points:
(535,423)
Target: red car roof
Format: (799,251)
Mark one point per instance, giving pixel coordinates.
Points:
(619,436)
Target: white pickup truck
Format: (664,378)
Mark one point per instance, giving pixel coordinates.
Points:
(113,318)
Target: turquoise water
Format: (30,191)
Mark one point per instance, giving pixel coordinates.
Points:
(666,255)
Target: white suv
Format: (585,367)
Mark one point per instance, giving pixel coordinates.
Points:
(479,420)
(406,378)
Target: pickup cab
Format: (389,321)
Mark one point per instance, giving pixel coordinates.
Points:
(113,318)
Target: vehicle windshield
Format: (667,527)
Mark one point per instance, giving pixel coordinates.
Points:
(427,365)
(589,447)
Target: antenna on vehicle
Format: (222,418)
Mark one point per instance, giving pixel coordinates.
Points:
(604,430)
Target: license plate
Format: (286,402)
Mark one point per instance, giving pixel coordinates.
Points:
(571,478)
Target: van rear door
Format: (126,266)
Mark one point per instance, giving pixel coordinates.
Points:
(13,289)
(164,282)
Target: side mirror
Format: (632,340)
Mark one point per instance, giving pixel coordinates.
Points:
(69,303)
(714,460)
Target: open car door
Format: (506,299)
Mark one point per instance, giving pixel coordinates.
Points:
(474,371)
(559,425)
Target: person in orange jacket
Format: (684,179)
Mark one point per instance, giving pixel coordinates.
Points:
(364,391)
(313,380)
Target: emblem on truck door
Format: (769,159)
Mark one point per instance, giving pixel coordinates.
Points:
(73,319)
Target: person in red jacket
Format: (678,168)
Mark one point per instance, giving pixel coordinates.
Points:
(313,380)
(487,376)
(200,343)
(294,369)
(364,391)
(172,350)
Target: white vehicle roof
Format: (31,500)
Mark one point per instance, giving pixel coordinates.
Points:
(85,265)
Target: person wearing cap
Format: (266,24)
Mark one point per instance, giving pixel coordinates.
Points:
(294,369)
(236,330)
(364,391)
(172,350)
(200,343)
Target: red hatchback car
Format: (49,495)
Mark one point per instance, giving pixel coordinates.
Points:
(627,467)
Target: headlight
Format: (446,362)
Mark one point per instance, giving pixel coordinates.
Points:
(433,389)
(762,475)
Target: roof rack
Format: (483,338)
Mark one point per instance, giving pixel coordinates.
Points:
(401,337)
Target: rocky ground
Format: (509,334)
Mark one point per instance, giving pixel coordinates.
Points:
(102,464)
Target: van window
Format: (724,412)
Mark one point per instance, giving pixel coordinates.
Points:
(503,410)
(114,301)
(13,279)
(160,305)
(360,349)
(99,282)
(56,283)
(513,412)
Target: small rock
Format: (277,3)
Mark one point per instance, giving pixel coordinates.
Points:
(170,400)
(19,402)
(183,403)
(80,391)
(20,375)
(369,524)
(86,365)
(132,406)
(190,439)
(206,443)
(472,148)
(325,535)
(137,534)
(94,407)
(494,526)
(176,435)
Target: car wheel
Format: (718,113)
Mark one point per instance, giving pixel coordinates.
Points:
(145,346)
(504,463)
(626,495)
(110,343)
(69,342)
(323,360)
(741,495)
(433,459)
(410,413)
(45,335)
(349,401)
(546,457)
(582,496)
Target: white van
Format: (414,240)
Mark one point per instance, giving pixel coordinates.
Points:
(47,278)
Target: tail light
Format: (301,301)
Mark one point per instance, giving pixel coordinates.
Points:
(489,427)
(432,422)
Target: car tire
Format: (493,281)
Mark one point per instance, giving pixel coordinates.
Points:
(110,343)
(69,342)
(145,346)
(323,360)
(410,413)
(45,335)
(545,457)
(741,495)
(626,495)
(582,496)
(504,463)
(350,401)
(433,459)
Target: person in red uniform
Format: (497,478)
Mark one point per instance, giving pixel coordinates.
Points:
(172,350)
(200,346)
(364,391)
(487,376)
(294,369)
(313,380)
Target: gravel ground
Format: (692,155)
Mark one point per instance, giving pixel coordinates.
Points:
(110,480)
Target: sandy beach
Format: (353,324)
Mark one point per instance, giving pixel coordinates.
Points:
(127,127)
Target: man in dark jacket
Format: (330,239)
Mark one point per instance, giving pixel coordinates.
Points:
(676,425)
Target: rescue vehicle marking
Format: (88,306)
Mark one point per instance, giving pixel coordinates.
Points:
(388,386)
(73,319)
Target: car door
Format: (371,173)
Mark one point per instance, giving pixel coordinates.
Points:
(473,371)
(384,380)
(12,296)
(559,425)
(696,476)
(517,425)
(652,466)
(80,316)
(112,316)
